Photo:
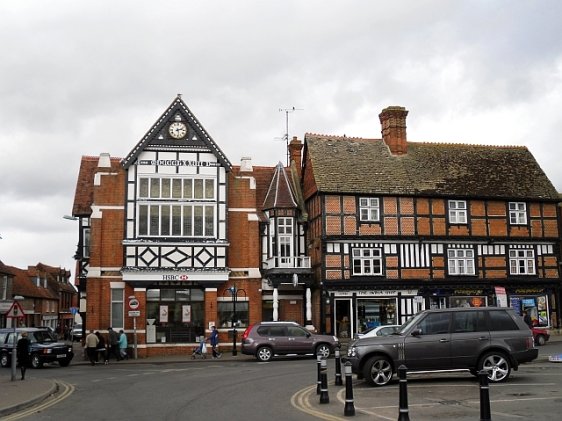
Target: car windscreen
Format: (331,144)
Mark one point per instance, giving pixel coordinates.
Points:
(42,336)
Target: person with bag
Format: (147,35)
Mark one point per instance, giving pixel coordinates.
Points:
(22,352)
(214,340)
(123,345)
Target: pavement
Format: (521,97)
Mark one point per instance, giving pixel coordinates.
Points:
(18,395)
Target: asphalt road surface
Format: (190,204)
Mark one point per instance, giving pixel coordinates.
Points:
(285,389)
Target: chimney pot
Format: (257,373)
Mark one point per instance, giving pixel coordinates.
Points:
(295,153)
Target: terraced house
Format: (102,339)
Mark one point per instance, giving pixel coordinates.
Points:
(397,226)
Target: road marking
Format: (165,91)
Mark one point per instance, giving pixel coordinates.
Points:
(57,397)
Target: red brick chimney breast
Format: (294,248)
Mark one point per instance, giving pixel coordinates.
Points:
(295,153)
(393,124)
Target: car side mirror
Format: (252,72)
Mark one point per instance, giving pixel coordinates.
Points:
(417,332)
(308,334)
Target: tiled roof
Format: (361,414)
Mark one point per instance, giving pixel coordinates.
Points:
(23,284)
(84,195)
(279,193)
(366,166)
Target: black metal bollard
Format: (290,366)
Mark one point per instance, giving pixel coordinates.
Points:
(338,381)
(404,414)
(485,413)
(318,375)
(324,398)
(349,409)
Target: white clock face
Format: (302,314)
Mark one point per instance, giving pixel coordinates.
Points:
(177,130)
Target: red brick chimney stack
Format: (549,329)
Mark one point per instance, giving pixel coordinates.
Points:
(393,122)
(295,153)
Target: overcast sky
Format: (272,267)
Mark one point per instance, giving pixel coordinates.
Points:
(86,77)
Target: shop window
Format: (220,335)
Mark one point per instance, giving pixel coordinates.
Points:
(457,211)
(117,300)
(517,213)
(522,262)
(367,261)
(461,261)
(369,210)
(226,314)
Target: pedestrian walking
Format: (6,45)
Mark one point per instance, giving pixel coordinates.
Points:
(123,345)
(113,344)
(214,340)
(91,344)
(101,349)
(22,351)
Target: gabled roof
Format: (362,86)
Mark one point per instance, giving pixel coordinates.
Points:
(84,194)
(366,166)
(157,136)
(280,194)
(23,284)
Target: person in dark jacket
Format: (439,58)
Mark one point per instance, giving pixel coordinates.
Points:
(113,344)
(22,352)
(101,349)
(214,340)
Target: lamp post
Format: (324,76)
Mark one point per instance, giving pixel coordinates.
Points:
(234,293)
(15,313)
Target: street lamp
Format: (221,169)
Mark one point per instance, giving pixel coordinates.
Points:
(15,315)
(234,292)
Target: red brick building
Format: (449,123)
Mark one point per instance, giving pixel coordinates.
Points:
(188,235)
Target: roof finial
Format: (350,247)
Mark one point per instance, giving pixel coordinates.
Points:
(179,95)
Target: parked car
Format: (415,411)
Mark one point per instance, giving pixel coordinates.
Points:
(267,339)
(488,338)
(541,335)
(77,332)
(44,347)
(383,330)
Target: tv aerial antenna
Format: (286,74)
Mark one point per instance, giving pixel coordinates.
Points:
(288,111)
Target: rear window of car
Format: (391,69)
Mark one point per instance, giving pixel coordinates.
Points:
(501,320)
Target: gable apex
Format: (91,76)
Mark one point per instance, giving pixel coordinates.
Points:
(196,136)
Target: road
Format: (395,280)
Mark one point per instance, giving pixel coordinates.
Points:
(285,390)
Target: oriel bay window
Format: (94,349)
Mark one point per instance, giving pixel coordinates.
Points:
(176,207)
(178,314)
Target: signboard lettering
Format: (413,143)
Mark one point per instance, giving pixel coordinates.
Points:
(178,163)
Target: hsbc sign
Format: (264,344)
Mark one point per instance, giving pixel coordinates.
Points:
(175,278)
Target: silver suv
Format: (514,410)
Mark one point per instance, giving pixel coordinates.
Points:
(266,339)
(492,339)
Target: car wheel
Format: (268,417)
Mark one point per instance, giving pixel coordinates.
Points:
(540,340)
(323,351)
(36,361)
(264,354)
(64,363)
(378,371)
(4,360)
(497,365)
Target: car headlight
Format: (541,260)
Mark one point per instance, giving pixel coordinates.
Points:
(351,351)
(47,351)
(69,349)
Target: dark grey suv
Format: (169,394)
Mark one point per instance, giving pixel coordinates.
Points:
(492,339)
(266,339)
